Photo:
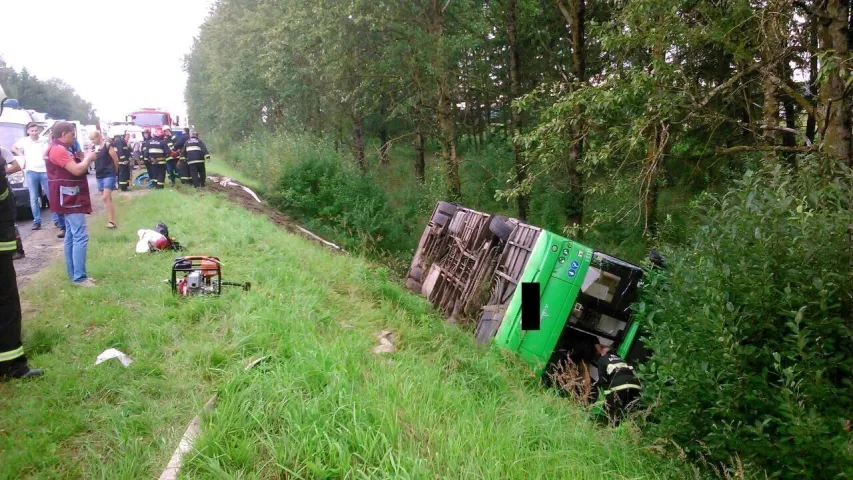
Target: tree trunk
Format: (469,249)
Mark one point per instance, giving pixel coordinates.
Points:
(658,134)
(833,111)
(420,162)
(649,189)
(383,135)
(523,198)
(339,134)
(771,47)
(446,118)
(790,109)
(358,142)
(575,16)
(811,122)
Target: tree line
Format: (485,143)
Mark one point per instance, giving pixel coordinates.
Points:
(52,96)
(583,88)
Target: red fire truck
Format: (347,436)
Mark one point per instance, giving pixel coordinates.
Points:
(153,118)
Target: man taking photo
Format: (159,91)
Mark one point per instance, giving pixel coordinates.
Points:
(68,190)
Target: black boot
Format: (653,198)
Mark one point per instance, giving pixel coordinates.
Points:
(22,371)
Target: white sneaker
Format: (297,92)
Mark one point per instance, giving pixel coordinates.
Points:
(85,283)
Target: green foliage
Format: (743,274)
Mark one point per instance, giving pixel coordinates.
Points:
(751,328)
(306,178)
(52,96)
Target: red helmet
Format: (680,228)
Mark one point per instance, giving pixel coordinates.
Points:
(158,132)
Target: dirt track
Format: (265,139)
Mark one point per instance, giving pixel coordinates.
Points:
(42,246)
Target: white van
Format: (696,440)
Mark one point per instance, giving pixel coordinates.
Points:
(13,127)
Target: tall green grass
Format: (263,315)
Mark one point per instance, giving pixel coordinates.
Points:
(322,405)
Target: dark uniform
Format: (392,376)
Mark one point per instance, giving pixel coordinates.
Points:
(196,154)
(621,389)
(158,153)
(171,163)
(13,362)
(183,166)
(146,160)
(123,151)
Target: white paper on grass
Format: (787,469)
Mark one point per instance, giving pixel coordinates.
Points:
(113,353)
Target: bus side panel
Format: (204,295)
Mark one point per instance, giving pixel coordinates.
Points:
(509,333)
(561,291)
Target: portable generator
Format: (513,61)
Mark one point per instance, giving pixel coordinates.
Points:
(202,275)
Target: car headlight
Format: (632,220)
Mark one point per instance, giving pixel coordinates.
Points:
(17,177)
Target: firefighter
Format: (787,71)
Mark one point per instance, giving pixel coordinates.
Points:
(146,160)
(172,161)
(196,154)
(158,152)
(619,384)
(183,166)
(123,151)
(13,362)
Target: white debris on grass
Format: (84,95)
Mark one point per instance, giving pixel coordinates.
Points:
(113,353)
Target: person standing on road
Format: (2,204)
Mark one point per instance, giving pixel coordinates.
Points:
(143,154)
(172,161)
(183,166)
(196,154)
(123,151)
(106,166)
(11,166)
(158,151)
(31,148)
(69,195)
(13,361)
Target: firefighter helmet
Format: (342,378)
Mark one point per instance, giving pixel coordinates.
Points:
(166,127)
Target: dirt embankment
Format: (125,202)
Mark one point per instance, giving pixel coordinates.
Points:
(245,199)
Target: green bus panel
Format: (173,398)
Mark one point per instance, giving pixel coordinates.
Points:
(559,266)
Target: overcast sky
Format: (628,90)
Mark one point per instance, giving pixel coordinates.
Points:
(120,55)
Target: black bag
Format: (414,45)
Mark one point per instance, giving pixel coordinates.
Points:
(162,229)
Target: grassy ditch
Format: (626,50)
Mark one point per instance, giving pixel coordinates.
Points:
(322,406)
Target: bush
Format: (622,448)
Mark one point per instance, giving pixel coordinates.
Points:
(331,194)
(751,329)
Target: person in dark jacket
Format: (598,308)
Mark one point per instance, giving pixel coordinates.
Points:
(172,156)
(158,153)
(196,154)
(13,361)
(123,150)
(146,159)
(183,166)
(617,383)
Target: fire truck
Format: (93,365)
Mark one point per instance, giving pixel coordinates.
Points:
(153,118)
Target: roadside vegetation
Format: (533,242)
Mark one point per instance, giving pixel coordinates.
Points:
(322,405)
(716,132)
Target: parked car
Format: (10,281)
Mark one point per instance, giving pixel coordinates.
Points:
(13,126)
